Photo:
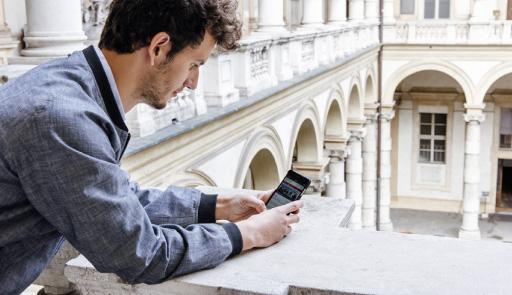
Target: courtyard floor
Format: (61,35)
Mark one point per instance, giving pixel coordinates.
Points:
(497,227)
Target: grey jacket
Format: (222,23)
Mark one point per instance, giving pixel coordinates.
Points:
(61,140)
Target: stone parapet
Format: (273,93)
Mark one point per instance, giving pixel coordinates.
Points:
(319,257)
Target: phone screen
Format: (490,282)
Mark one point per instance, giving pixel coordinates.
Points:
(290,189)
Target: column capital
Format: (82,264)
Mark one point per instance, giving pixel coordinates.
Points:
(339,155)
(372,118)
(357,134)
(477,118)
(388,116)
(474,113)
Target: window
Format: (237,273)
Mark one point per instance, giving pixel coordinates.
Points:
(506,129)
(435,9)
(407,6)
(433,138)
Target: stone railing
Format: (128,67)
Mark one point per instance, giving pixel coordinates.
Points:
(448,32)
(320,257)
(262,62)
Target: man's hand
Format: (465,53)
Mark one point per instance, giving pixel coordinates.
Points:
(240,207)
(269,227)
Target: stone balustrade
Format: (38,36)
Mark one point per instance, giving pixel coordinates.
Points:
(263,61)
(448,32)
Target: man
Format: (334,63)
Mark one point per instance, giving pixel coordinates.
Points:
(62,136)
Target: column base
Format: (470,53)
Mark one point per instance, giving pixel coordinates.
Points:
(469,234)
(386,226)
(272,29)
(354,226)
(312,25)
(336,190)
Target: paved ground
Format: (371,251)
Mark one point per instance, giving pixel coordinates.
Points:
(496,227)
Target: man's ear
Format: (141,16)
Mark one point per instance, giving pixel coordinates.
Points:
(158,48)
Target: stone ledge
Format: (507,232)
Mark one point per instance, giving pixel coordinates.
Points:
(336,261)
(320,215)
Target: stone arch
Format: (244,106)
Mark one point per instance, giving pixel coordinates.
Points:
(355,107)
(489,79)
(307,137)
(370,91)
(263,160)
(192,178)
(415,67)
(262,173)
(335,123)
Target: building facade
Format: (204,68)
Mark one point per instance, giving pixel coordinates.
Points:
(410,110)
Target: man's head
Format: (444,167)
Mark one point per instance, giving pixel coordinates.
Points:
(175,38)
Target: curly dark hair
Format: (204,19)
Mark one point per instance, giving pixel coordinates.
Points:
(132,24)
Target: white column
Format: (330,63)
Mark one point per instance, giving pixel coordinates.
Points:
(337,11)
(54,28)
(354,177)
(312,13)
(271,15)
(481,11)
(336,187)
(389,11)
(371,11)
(480,30)
(462,9)
(472,189)
(356,10)
(385,172)
(370,173)
(5,32)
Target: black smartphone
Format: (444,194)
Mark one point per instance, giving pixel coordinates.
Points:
(290,189)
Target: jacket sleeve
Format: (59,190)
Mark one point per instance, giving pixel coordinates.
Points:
(68,169)
(176,205)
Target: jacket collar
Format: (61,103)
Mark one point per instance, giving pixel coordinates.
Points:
(104,86)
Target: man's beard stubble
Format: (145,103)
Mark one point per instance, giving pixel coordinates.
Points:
(149,91)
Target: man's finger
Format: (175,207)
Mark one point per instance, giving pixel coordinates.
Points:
(288,230)
(291,207)
(255,203)
(265,196)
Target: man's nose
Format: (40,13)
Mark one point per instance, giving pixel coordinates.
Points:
(191,82)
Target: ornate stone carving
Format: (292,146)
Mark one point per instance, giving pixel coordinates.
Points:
(260,62)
